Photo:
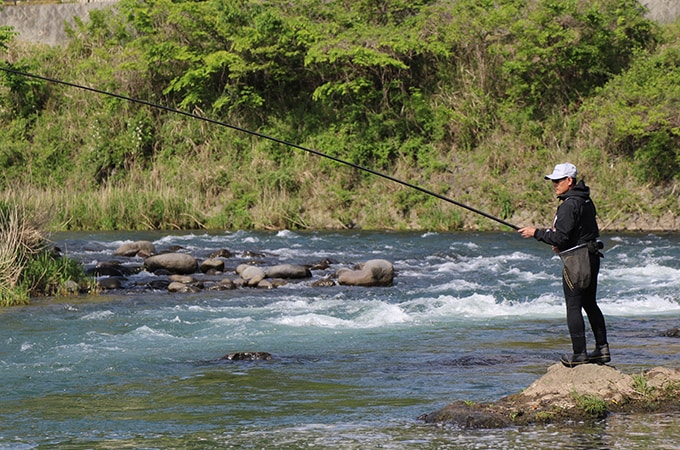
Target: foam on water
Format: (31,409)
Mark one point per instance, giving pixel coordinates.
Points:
(639,306)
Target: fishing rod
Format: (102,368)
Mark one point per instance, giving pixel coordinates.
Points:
(263,136)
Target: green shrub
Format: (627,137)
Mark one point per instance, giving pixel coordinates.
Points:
(26,97)
(47,274)
(562,51)
(636,115)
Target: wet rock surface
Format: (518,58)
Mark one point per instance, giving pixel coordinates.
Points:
(584,392)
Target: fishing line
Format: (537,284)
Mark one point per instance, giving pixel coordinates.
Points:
(263,136)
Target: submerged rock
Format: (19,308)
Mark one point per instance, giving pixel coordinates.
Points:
(248,356)
(672,332)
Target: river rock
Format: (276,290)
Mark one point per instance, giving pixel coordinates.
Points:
(176,263)
(248,356)
(212,265)
(222,253)
(323,282)
(108,269)
(252,275)
(186,279)
(265,284)
(108,283)
(375,272)
(586,392)
(672,332)
(321,265)
(223,285)
(158,285)
(182,288)
(143,248)
(288,271)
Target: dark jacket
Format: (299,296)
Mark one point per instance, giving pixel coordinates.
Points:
(574,222)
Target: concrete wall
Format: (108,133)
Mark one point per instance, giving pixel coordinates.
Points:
(663,11)
(45,23)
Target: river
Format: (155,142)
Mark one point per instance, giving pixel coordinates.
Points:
(471,316)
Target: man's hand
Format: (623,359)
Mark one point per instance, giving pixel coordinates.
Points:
(527,232)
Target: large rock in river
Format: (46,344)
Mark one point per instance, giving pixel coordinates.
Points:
(288,271)
(375,272)
(252,275)
(143,248)
(179,263)
(586,392)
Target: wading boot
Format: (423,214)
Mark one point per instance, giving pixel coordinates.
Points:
(600,355)
(575,359)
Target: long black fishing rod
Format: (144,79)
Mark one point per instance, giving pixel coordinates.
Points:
(255,133)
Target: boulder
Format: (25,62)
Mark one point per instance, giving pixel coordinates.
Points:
(288,271)
(252,275)
(176,263)
(212,265)
(144,248)
(562,395)
(375,272)
(179,287)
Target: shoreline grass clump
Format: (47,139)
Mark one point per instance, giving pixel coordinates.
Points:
(28,266)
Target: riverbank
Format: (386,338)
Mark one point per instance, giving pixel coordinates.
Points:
(102,163)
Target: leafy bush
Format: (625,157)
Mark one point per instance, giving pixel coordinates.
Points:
(26,97)
(48,274)
(560,52)
(636,116)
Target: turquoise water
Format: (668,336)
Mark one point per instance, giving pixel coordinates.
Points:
(470,317)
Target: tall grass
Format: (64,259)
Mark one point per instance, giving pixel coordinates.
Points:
(19,241)
(28,266)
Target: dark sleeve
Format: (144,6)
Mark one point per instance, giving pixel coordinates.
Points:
(562,233)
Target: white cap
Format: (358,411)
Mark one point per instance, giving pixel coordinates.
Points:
(562,171)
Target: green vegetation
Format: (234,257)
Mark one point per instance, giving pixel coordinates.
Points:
(28,266)
(591,405)
(474,100)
